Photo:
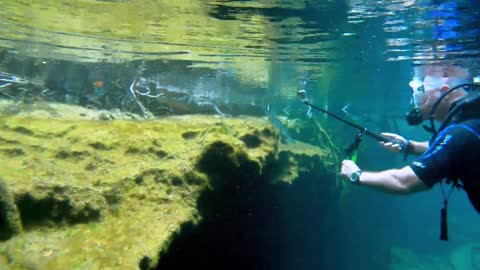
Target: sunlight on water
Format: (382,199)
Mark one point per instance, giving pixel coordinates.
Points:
(425,32)
(247,34)
(248,52)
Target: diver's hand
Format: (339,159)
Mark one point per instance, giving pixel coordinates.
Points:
(348,167)
(392,146)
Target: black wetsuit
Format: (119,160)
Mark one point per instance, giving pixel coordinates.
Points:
(455,154)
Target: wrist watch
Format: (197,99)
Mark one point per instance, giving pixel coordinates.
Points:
(355,176)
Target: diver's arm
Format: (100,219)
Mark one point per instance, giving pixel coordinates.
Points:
(418,148)
(399,181)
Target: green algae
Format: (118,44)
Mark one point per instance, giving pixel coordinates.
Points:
(10,223)
(110,194)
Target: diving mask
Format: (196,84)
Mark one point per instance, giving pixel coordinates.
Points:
(418,94)
(429,83)
(415,117)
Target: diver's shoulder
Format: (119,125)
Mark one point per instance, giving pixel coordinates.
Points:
(471,125)
(470,122)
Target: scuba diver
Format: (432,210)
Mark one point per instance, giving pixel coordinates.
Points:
(452,154)
(440,93)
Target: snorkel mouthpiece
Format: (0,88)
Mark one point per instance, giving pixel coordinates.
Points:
(414,117)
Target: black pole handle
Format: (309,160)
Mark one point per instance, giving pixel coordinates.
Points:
(379,137)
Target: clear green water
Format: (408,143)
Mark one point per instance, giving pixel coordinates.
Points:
(251,57)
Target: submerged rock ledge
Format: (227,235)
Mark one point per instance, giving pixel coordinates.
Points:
(80,192)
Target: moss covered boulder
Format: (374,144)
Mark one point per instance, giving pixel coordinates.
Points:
(79,192)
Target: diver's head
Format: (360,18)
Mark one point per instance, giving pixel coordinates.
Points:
(427,93)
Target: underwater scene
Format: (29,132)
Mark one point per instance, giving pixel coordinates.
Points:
(210,134)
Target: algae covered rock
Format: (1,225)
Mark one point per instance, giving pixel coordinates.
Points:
(10,224)
(96,194)
(247,153)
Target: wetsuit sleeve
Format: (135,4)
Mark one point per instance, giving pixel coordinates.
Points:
(438,162)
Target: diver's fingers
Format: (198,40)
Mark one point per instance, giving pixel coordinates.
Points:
(393,136)
(392,146)
(397,138)
(388,134)
(348,167)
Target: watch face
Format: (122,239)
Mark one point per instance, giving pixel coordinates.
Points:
(355,176)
